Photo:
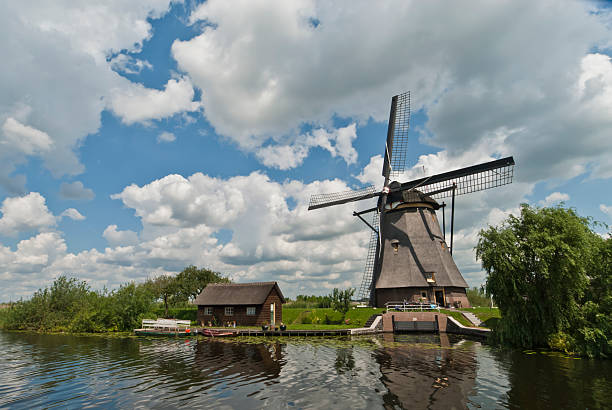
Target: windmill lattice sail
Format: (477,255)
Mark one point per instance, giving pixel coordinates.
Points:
(470,179)
(368,272)
(336,198)
(396,148)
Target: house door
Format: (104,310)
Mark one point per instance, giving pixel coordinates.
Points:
(440,297)
(272,314)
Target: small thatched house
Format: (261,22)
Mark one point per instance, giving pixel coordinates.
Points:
(247,304)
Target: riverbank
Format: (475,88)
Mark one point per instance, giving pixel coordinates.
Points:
(299,318)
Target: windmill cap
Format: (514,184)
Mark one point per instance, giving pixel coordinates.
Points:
(413,196)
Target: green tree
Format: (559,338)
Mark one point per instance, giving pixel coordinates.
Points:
(593,335)
(312,301)
(341,299)
(538,265)
(191,281)
(130,304)
(165,288)
(478,297)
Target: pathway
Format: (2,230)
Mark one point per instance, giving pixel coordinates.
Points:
(472,318)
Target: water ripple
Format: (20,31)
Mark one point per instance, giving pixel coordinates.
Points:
(414,371)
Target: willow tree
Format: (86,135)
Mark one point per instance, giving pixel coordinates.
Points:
(538,265)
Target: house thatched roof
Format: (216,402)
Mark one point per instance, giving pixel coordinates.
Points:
(226,294)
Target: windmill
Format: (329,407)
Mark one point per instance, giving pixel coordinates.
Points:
(408,257)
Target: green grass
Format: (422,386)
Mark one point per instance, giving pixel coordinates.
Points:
(358,316)
(457,316)
(311,318)
(317,327)
(488,316)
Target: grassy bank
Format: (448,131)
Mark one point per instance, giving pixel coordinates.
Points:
(457,316)
(297,318)
(488,316)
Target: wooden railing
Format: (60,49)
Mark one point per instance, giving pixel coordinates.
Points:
(165,324)
(410,306)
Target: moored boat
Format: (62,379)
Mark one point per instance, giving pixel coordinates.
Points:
(216,333)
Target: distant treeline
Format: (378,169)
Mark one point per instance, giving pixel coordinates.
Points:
(312,301)
(339,300)
(70,305)
(478,297)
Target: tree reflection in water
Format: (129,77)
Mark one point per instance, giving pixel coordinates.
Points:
(551,380)
(344,360)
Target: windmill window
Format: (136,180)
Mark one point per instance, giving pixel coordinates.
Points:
(395,245)
(431,277)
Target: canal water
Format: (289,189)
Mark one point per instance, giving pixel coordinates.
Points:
(367,372)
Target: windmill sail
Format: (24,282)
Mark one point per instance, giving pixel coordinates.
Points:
(368,271)
(467,180)
(396,147)
(337,198)
(408,258)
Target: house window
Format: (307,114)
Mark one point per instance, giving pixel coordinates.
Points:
(229,311)
(251,311)
(424,294)
(208,310)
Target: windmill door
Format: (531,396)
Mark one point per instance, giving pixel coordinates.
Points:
(440,297)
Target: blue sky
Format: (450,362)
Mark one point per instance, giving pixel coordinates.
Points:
(137,139)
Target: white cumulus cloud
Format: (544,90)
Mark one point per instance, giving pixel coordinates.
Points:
(276,65)
(338,142)
(72,214)
(129,65)
(24,138)
(554,198)
(48,112)
(136,103)
(25,213)
(119,238)
(166,136)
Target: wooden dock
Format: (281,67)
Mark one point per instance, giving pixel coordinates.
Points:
(286,332)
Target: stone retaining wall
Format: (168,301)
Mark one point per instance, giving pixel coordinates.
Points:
(446,324)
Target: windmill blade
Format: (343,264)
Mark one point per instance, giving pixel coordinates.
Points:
(470,179)
(368,271)
(336,198)
(396,147)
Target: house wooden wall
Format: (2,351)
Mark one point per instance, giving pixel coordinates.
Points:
(262,313)
(456,295)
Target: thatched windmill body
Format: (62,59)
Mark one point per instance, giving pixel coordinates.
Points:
(408,257)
